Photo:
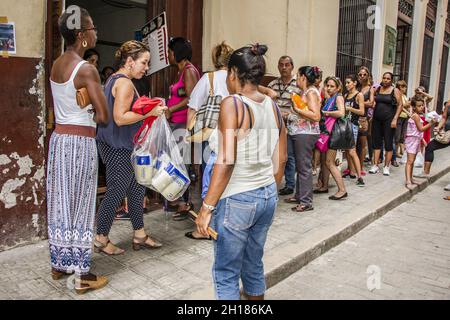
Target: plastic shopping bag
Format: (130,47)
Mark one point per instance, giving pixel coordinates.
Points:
(419,161)
(158,163)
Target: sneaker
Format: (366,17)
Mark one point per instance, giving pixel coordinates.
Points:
(363,173)
(395,164)
(421,175)
(447,188)
(360,182)
(122,215)
(346,173)
(367,160)
(374,170)
(386,171)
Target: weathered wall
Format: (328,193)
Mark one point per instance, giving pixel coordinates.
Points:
(305,29)
(22,109)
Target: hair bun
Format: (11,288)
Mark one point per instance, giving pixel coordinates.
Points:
(259,49)
(118,55)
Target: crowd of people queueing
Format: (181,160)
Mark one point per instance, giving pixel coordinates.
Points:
(240,209)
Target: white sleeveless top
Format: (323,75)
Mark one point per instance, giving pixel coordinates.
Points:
(253,168)
(67,110)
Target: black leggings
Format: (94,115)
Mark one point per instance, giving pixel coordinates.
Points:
(432,147)
(120,183)
(382,132)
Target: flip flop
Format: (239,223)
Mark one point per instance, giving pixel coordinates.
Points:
(303,208)
(291,201)
(190,235)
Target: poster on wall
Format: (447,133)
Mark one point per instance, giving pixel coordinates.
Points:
(390,44)
(8,38)
(155,35)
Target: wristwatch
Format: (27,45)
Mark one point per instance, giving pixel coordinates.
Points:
(207,206)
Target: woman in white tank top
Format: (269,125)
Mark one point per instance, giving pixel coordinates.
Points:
(242,196)
(72,160)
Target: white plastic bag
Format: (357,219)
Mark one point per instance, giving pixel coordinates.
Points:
(419,161)
(404,158)
(158,163)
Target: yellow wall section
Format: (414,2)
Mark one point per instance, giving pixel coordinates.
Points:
(29,18)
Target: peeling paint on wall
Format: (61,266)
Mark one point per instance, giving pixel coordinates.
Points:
(7,195)
(4,159)
(25,164)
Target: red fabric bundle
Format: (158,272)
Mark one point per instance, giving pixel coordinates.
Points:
(143,106)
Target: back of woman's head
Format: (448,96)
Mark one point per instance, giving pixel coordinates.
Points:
(181,48)
(89,53)
(311,74)
(133,49)
(68,27)
(221,55)
(249,63)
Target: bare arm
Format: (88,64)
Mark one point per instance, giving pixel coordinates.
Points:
(419,124)
(313,111)
(398,96)
(123,92)
(268,92)
(223,169)
(279,157)
(89,78)
(444,117)
(190,80)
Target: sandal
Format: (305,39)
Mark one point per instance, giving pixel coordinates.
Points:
(56,275)
(142,242)
(190,235)
(100,248)
(90,282)
(447,198)
(183,214)
(291,200)
(410,186)
(318,191)
(303,208)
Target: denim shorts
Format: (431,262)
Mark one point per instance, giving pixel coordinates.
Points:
(242,222)
(355,132)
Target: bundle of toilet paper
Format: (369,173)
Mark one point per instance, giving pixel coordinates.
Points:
(158,164)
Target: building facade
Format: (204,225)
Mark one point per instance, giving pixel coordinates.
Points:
(407,37)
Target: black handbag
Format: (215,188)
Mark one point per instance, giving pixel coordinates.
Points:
(342,137)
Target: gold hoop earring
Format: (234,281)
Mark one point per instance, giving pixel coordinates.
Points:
(84,44)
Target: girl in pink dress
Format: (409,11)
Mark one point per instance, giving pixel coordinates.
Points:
(414,138)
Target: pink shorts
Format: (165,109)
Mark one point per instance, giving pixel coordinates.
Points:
(412,145)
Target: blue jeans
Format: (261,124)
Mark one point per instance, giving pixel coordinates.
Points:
(242,222)
(290,170)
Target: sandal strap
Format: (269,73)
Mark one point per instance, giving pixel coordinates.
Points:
(142,240)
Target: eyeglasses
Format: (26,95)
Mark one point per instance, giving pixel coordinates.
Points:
(93,28)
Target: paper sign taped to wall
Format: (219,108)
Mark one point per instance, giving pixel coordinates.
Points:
(8,38)
(155,35)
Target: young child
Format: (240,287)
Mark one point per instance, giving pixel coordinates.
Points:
(414,137)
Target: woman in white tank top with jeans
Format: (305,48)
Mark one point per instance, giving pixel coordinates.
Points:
(242,196)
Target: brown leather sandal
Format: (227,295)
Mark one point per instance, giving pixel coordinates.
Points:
(100,248)
(56,275)
(142,243)
(90,282)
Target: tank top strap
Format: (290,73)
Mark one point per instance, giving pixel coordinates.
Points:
(75,71)
(190,66)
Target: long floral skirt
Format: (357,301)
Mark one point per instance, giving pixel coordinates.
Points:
(71,196)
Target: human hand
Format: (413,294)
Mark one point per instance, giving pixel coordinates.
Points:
(203,220)
(158,111)
(168,114)
(394,123)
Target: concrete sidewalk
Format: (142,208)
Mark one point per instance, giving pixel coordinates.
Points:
(182,268)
